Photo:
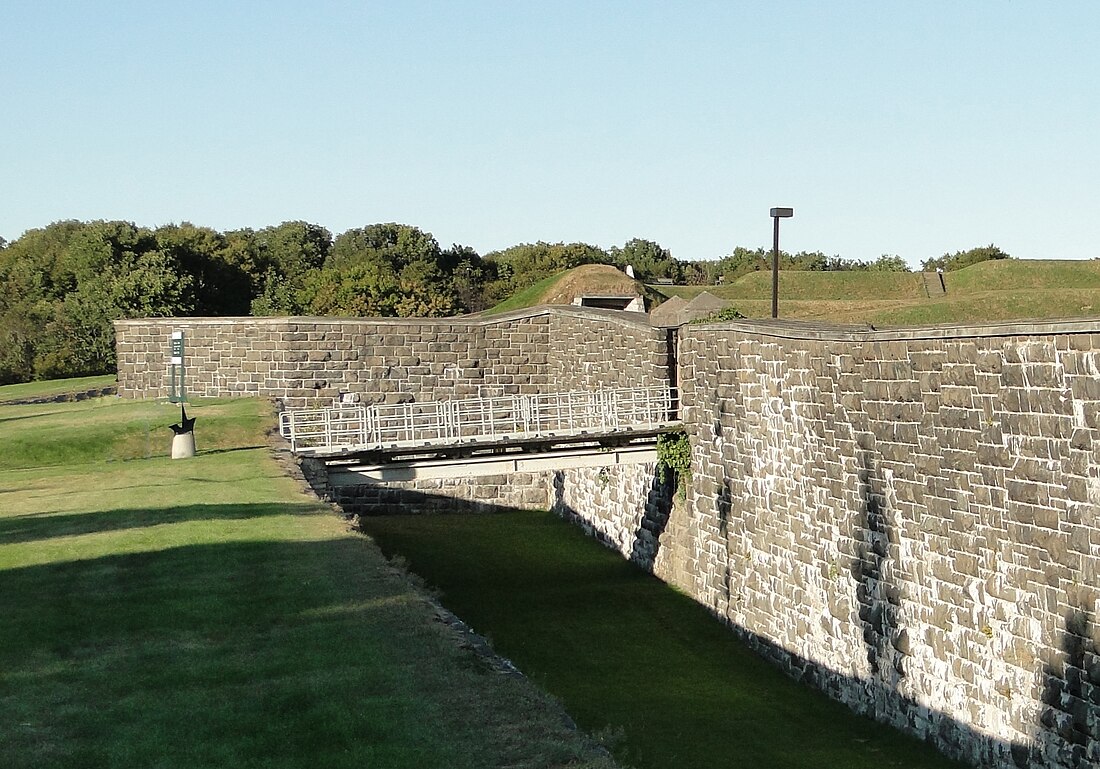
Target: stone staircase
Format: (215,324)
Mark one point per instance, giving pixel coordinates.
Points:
(934,285)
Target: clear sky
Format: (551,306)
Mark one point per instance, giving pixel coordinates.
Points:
(911,128)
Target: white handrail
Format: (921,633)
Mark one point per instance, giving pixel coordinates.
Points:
(428,423)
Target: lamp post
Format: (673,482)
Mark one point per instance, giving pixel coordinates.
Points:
(777,214)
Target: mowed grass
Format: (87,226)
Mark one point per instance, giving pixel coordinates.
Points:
(207,613)
(53,387)
(628,655)
(527,297)
(985,292)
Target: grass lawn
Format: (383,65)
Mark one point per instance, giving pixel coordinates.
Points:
(54,387)
(988,291)
(527,297)
(207,613)
(630,656)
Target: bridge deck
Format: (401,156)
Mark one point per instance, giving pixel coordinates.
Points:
(481,423)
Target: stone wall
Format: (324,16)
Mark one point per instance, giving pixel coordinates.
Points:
(626,507)
(309,361)
(525,491)
(908,519)
(620,351)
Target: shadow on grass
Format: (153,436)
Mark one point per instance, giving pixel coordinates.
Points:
(231,450)
(626,652)
(277,654)
(198,652)
(37,527)
(35,415)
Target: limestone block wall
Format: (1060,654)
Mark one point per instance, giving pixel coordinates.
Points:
(309,361)
(591,351)
(526,491)
(908,519)
(626,507)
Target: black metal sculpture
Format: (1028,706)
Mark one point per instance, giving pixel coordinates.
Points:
(186,425)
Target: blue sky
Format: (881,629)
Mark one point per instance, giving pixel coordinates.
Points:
(906,128)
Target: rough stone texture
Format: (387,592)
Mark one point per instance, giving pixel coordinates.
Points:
(621,351)
(626,507)
(909,520)
(307,362)
(526,491)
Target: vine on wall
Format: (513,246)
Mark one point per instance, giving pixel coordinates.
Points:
(674,457)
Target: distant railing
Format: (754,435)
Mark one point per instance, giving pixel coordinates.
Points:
(477,420)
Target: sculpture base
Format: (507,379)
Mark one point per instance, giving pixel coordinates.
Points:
(183,446)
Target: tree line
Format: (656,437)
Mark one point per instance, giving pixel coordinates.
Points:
(62,285)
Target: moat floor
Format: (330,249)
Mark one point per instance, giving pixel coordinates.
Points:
(634,662)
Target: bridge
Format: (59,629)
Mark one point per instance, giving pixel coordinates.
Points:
(481,436)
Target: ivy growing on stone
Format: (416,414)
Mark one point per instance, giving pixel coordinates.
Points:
(674,457)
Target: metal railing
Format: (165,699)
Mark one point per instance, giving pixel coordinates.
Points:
(477,420)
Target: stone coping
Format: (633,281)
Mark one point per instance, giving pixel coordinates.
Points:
(787,329)
(639,319)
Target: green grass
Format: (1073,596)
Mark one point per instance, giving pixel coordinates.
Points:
(1021,275)
(630,656)
(528,297)
(53,387)
(207,613)
(985,292)
(795,284)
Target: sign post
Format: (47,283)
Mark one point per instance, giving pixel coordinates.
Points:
(177,392)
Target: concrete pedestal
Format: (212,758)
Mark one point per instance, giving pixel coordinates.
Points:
(183,446)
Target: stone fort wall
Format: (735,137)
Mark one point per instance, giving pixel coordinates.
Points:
(307,362)
(909,520)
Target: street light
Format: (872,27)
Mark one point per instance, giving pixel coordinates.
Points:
(777,214)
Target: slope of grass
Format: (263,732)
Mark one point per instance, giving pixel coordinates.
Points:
(1020,274)
(630,656)
(988,291)
(53,387)
(795,284)
(528,297)
(207,613)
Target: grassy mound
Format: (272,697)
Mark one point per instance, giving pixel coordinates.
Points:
(586,280)
(1017,275)
(822,285)
(988,291)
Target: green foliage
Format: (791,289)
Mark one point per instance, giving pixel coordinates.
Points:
(961,259)
(61,287)
(719,316)
(389,269)
(520,267)
(744,261)
(283,259)
(889,263)
(674,456)
(649,260)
